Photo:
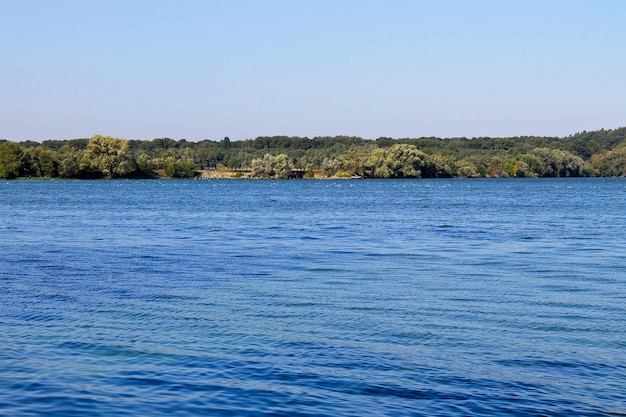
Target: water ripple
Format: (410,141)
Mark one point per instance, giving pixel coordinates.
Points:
(313,298)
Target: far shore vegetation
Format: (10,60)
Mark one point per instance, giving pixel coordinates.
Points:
(599,153)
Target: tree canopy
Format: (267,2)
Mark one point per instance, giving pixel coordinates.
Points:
(598,153)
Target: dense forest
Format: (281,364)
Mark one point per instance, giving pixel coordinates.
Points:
(598,153)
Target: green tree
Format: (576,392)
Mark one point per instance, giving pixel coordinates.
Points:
(282,166)
(439,166)
(263,167)
(225,143)
(11,160)
(467,169)
(555,163)
(611,163)
(405,161)
(376,164)
(233,163)
(30,162)
(48,163)
(272,166)
(398,161)
(69,162)
(181,169)
(330,166)
(356,161)
(110,156)
(145,163)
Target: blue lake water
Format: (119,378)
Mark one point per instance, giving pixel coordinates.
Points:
(313,298)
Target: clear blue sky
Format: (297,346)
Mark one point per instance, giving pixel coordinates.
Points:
(206,69)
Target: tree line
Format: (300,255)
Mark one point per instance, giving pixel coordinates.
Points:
(598,153)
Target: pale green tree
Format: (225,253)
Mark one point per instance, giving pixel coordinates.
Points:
(375,164)
(495,168)
(355,161)
(272,166)
(145,163)
(330,166)
(110,156)
(467,169)
(405,161)
(282,166)
(263,167)
(399,161)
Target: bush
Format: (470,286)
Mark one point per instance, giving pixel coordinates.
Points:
(181,169)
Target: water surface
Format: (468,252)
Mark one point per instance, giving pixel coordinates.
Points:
(327,298)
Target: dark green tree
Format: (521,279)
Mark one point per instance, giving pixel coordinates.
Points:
(11,160)
(181,169)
